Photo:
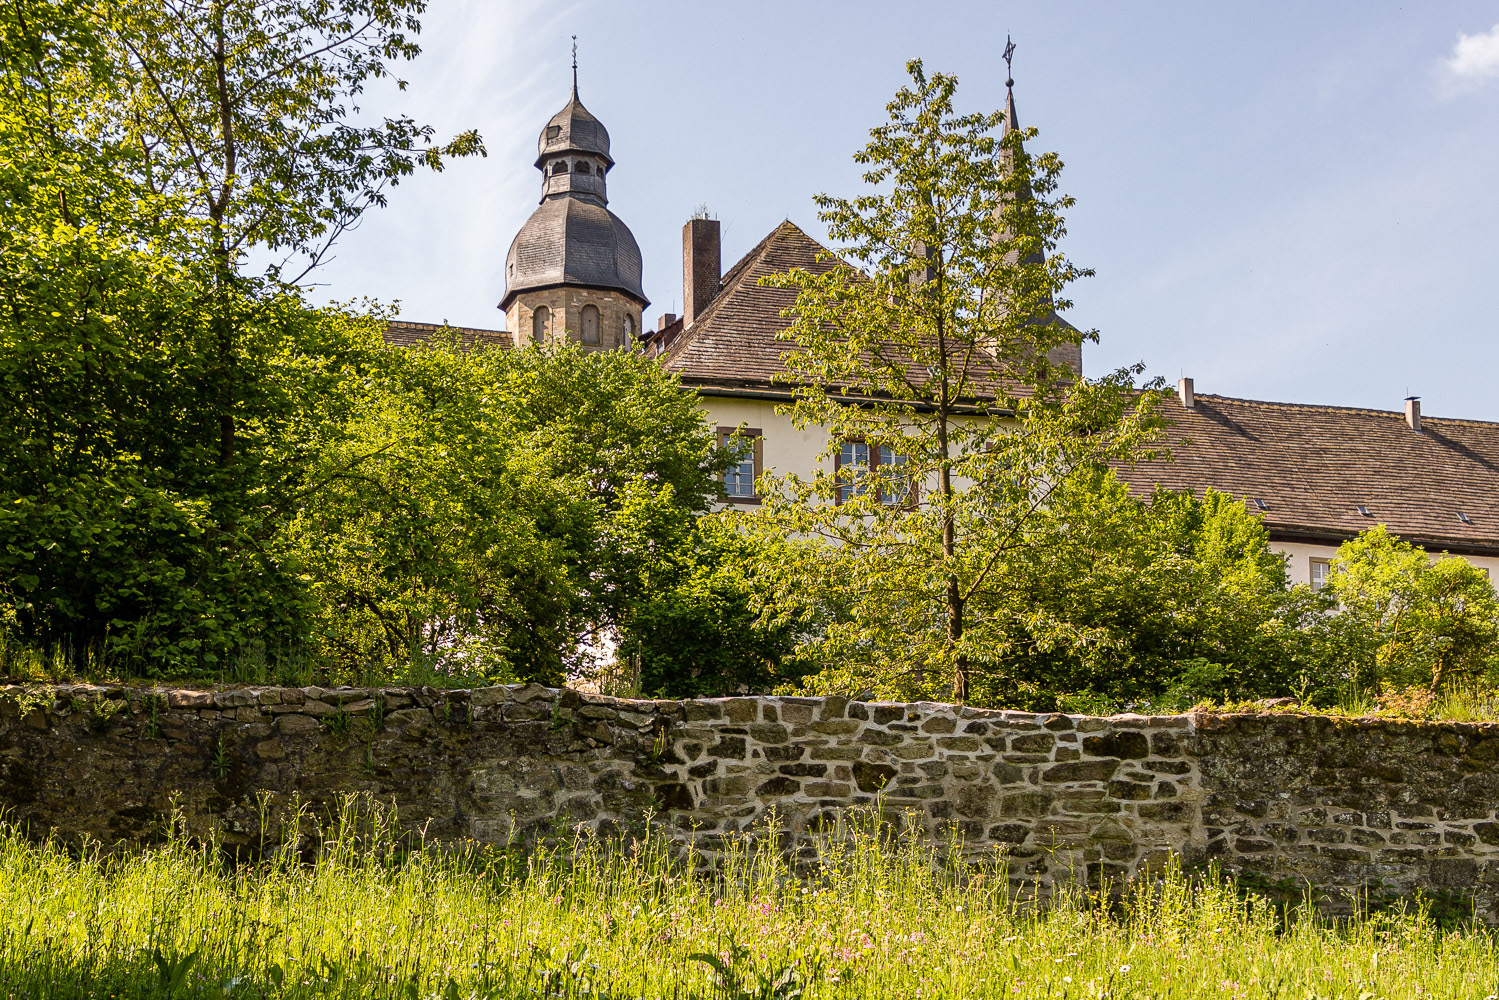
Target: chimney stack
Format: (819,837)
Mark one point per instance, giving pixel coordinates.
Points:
(1184,391)
(1413,413)
(665,320)
(702,265)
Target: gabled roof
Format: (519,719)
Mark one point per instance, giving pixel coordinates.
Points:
(733,341)
(1314,466)
(733,346)
(400,333)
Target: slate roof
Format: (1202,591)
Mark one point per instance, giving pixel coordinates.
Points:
(577,131)
(401,333)
(733,342)
(572,239)
(1313,466)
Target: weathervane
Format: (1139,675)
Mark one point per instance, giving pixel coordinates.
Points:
(1009,57)
(575,65)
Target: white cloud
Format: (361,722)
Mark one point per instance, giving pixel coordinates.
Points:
(1474,62)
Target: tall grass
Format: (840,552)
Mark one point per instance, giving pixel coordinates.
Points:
(361,913)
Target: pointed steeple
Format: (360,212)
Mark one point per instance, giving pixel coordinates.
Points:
(1012,121)
(1069,352)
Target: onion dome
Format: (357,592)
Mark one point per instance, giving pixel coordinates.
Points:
(573,240)
(573,130)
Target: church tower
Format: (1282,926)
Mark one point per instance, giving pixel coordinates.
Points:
(573,271)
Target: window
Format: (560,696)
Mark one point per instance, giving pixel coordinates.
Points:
(886,474)
(560,167)
(582,167)
(1320,570)
(739,478)
(629,329)
(590,324)
(539,324)
(895,487)
(553,131)
(853,470)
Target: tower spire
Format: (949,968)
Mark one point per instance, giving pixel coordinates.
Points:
(1011,122)
(575,67)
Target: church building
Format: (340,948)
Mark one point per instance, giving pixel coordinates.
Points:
(1316,475)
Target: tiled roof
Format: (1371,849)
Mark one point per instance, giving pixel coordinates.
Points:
(733,341)
(1314,466)
(400,333)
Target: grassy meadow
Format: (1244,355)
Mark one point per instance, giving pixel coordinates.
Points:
(362,914)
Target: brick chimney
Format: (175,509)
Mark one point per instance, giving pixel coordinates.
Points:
(1413,413)
(702,266)
(1184,391)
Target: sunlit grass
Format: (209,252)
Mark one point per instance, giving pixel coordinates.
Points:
(360,915)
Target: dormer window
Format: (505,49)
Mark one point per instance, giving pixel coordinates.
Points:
(560,167)
(553,131)
(582,167)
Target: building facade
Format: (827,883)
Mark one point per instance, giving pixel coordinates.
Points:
(1316,475)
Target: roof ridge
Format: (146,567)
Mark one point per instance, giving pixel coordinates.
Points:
(732,282)
(1337,408)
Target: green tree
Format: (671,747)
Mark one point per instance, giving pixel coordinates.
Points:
(699,631)
(503,513)
(1434,619)
(930,361)
(1164,600)
(168,406)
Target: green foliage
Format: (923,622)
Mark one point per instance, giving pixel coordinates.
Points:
(699,633)
(1163,601)
(362,913)
(938,352)
(1430,621)
(499,514)
(165,407)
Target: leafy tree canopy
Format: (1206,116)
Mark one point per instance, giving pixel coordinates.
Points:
(933,362)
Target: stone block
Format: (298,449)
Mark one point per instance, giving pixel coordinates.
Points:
(1033,743)
(296,724)
(1125,745)
(1093,770)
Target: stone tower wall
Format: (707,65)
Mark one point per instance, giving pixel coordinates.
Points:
(566,305)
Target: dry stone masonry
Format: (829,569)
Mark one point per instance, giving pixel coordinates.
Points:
(1343,805)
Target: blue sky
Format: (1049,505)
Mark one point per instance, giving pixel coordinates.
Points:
(1285,201)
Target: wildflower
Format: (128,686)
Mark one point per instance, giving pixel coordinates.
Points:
(1123,969)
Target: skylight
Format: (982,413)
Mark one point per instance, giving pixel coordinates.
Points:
(1464,518)
(1260,504)
(1363,510)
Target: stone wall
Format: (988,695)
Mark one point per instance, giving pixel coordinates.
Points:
(1346,805)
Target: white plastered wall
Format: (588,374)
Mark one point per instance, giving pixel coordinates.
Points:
(1300,555)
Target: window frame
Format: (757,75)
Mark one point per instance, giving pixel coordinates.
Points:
(757,456)
(539,336)
(1311,572)
(872,464)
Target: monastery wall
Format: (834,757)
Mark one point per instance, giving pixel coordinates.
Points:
(1345,805)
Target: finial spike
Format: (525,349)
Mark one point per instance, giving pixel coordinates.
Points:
(575,65)
(1009,59)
